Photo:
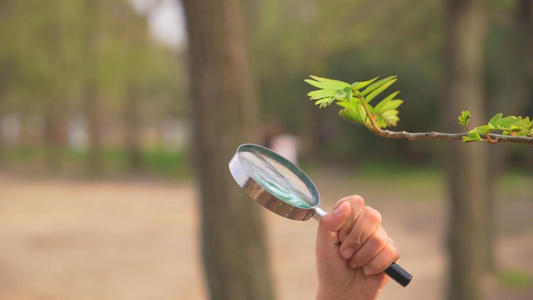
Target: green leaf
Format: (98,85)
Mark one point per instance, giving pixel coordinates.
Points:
(318,94)
(386,113)
(392,105)
(381,123)
(348,104)
(515,128)
(482,129)
(340,95)
(362,112)
(383,102)
(359,85)
(325,83)
(349,93)
(351,115)
(324,102)
(390,118)
(507,122)
(376,85)
(350,97)
(379,90)
(472,137)
(494,121)
(465,118)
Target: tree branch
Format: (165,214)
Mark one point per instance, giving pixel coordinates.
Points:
(450,137)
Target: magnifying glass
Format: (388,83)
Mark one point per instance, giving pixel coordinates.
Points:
(281,187)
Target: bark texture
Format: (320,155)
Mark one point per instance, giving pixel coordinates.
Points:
(91,101)
(132,120)
(510,97)
(466,164)
(224,116)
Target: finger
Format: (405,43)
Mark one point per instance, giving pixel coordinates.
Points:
(327,239)
(368,221)
(372,247)
(383,260)
(358,204)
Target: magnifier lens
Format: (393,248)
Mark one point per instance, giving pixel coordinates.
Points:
(277,178)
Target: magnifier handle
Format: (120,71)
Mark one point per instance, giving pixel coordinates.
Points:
(394,271)
(399,274)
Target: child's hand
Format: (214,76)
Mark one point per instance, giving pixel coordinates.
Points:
(352,251)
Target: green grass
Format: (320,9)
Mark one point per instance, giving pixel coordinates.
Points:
(418,182)
(173,164)
(516,279)
(161,162)
(398,170)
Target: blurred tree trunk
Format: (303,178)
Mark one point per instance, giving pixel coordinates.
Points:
(4,87)
(54,106)
(466,164)
(224,116)
(132,118)
(91,108)
(4,78)
(54,134)
(525,16)
(510,98)
(91,100)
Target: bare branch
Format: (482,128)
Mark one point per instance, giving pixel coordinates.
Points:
(450,137)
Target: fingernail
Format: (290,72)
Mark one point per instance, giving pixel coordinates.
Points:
(352,265)
(347,253)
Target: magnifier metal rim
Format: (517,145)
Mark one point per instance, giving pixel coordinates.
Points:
(265,198)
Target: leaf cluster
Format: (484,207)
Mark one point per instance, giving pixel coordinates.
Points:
(510,125)
(355,100)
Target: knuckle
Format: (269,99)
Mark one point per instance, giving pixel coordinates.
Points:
(395,249)
(381,239)
(353,241)
(357,200)
(374,215)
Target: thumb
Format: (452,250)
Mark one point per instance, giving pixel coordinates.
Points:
(327,239)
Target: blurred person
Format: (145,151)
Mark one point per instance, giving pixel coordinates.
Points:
(281,142)
(352,251)
(10,130)
(286,145)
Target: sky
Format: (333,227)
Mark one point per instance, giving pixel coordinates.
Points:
(166,20)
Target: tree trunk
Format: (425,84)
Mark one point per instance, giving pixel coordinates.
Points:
(525,17)
(92,115)
(91,95)
(54,135)
(224,116)
(466,164)
(55,103)
(132,118)
(4,87)
(510,98)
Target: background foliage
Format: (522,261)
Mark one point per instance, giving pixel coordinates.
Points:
(51,51)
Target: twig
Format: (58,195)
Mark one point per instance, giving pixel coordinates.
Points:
(490,139)
(375,127)
(450,137)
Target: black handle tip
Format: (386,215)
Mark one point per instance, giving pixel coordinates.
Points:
(399,274)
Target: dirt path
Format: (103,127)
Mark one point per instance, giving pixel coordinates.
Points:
(137,240)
